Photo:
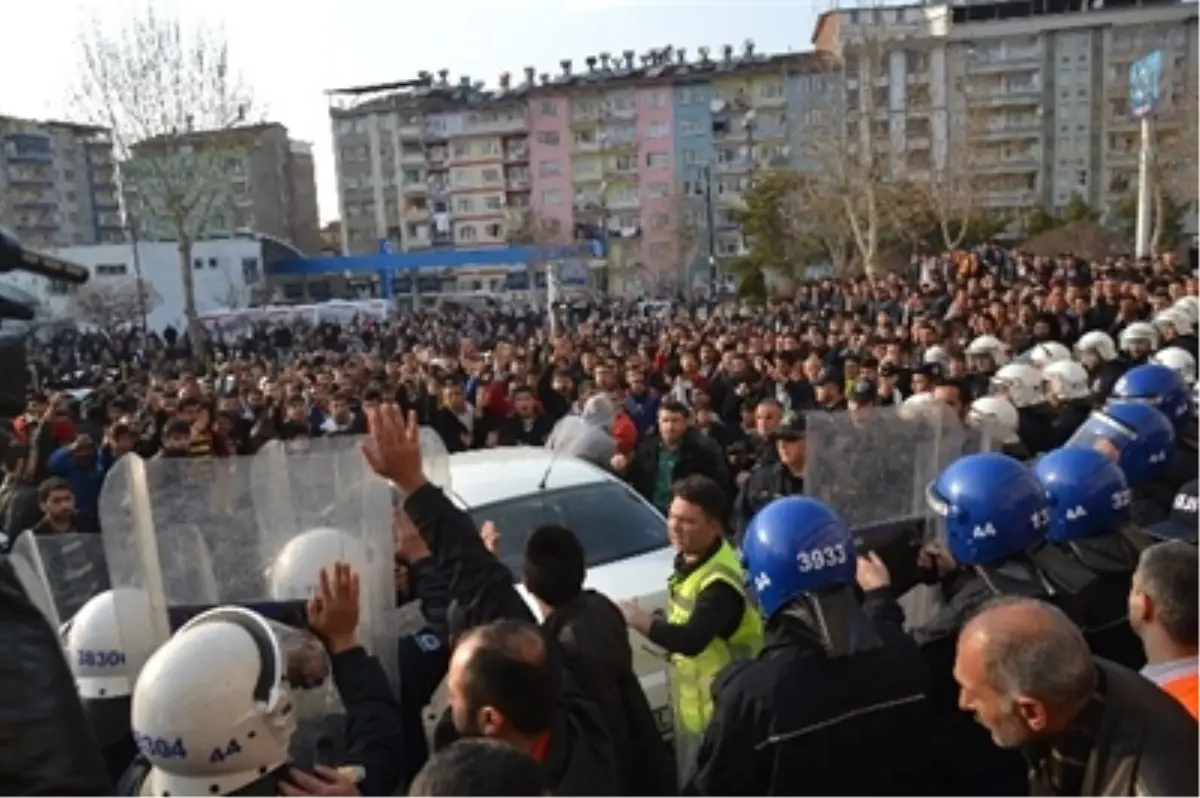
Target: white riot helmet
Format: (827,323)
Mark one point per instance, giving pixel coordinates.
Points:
(1096,344)
(296,569)
(1173,318)
(1140,335)
(996,415)
(916,406)
(1189,306)
(213,711)
(103,658)
(1178,359)
(936,354)
(987,346)
(1020,383)
(1067,381)
(1042,355)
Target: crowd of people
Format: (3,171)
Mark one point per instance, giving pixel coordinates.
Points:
(1062,560)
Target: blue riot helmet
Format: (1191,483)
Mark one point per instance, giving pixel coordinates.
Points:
(1155,384)
(1087,491)
(993,507)
(796,546)
(1135,436)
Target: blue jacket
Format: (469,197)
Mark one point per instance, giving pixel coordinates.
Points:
(85,483)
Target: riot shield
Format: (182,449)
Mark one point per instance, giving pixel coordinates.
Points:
(193,533)
(70,568)
(575,437)
(31,573)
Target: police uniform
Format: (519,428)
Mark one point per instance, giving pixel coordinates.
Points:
(833,685)
(767,482)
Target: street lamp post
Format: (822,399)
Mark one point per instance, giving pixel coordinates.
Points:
(711,227)
(131,223)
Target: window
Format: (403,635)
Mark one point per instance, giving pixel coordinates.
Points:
(489,147)
(548,137)
(691,127)
(626,163)
(657,130)
(583,169)
(464,205)
(462,177)
(548,108)
(493,231)
(491,175)
(655,190)
(585,137)
(110,269)
(552,197)
(691,157)
(461,149)
(466,232)
(657,160)
(412,176)
(611,522)
(690,96)
(493,203)
(250,270)
(771,90)
(549,169)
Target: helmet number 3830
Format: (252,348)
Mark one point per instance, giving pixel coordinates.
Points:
(823,557)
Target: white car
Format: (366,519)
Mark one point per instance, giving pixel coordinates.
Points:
(624,537)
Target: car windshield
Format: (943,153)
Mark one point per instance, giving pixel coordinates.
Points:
(610,521)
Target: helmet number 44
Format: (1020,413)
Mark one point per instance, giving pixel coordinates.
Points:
(817,559)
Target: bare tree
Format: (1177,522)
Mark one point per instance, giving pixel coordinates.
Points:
(174,105)
(1175,169)
(847,144)
(108,303)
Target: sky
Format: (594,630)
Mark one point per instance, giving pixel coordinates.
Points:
(290,53)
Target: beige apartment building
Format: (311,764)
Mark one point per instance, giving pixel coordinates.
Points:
(430,164)
(272,186)
(1038,92)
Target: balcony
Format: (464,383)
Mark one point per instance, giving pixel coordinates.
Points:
(921,142)
(622,202)
(438,188)
(1009,131)
(414,157)
(34,204)
(612,111)
(30,157)
(1031,95)
(410,131)
(518,183)
(517,153)
(585,117)
(416,214)
(483,125)
(580,147)
(415,187)
(1007,198)
(442,239)
(996,166)
(25,175)
(1009,61)
(437,159)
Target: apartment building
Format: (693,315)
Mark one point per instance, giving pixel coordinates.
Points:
(268,178)
(58,183)
(622,148)
(428,163)
(1032,98)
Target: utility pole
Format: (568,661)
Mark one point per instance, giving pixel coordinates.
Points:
(131,223)
(711,227)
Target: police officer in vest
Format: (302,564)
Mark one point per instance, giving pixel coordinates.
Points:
(1140,439)
(783,477)
(992,512)
(831,683)
(1092,548)
(709,621)
(1165,389)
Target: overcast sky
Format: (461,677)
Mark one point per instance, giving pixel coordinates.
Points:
(290,52)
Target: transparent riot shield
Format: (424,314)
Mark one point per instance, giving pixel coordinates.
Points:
(27,564)
(575,437)
(193,533)
(71,567)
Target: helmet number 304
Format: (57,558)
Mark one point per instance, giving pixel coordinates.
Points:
(817,559)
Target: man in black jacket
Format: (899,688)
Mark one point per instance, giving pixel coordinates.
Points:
(1087,726)
(592,633)
(675,451)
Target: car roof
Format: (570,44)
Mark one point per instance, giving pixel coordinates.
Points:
(488,476)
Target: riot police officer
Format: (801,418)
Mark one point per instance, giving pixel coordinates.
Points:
(1092,548)
(1166,389)
(1140,440)
(784,477)
(830,681)
(993,510)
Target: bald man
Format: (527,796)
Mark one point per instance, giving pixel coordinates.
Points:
(1087,726)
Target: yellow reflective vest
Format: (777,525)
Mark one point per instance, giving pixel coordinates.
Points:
(692,677)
